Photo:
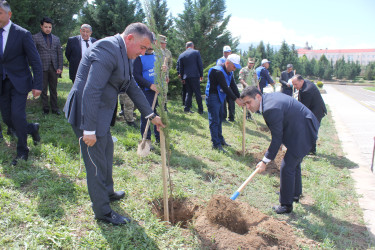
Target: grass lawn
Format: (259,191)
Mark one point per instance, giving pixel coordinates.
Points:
(370,88)
(45,204)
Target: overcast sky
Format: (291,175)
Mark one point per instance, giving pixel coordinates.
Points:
(332,24)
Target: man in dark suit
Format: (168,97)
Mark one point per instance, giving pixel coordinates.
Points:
(286,87)
(291,124)
(76,47)
(190,70)
(49,48)
(17,51)
(91,105)
(310,96)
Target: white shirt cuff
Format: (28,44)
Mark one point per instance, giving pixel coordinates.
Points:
(88,132)
(149,115)
(266,160)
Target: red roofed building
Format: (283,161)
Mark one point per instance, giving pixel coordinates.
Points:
(363,56)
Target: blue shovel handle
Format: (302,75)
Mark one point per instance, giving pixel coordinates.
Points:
(235,195)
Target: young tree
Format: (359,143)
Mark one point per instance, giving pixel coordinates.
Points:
(108,17)
(28,14)
(370,71)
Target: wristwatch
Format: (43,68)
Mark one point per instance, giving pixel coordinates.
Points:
(152,117)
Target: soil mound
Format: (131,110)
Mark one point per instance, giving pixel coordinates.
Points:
(227,224)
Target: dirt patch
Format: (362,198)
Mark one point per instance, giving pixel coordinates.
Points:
(264,129)
(273,168)
(227,224)
(181,213)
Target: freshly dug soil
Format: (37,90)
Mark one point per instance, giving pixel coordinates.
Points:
(227,224)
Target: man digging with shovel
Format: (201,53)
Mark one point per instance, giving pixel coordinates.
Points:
(291,124)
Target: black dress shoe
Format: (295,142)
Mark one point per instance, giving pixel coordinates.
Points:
(189,111)
(118,195)
(201,112)
(283,209)
(114,218)
(19,157)
(56,112)
(45,111)
(219,148)
(35,134)
(225,144)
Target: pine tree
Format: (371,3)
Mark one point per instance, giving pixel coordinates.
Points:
(28,13)
(163,21)
(109,17)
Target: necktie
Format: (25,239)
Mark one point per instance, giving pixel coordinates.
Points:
(87,43)
(1,53)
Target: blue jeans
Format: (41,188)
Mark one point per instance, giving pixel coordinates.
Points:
(215,114)
(150,98)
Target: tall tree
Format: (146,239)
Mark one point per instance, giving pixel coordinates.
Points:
(283,56)
(260,52)
(28,13)
(108,17)
(204,23)
(163,21)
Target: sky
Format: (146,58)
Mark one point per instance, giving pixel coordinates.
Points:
(332,24)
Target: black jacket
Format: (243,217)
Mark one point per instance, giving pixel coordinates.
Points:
(189,64)
(310,96)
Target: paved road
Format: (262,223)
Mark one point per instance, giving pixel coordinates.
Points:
(353,111)
(360,94)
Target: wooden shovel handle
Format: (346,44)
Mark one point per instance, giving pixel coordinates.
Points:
(148,120)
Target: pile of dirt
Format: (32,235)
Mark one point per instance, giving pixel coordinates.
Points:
(227,224)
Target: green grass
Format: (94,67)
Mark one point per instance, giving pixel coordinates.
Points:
(43,203)
(370,88)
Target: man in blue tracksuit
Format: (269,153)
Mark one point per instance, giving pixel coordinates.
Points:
(220,85)
(144,75)
(263,75)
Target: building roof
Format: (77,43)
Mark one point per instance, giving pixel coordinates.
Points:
(340,51)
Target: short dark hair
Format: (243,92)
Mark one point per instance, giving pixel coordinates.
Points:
(5,6)
(139,29)
(298,77)
(46,19)
(189,44)
(250,91)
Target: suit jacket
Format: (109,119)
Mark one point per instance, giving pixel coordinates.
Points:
(290,123)
(103,72)
(284,78)
(73,53)
(19,53)
(310,96)
(189,64)
(47,55)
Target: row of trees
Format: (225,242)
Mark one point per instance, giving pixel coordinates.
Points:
(322,68)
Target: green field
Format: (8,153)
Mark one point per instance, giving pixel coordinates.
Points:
(45,204)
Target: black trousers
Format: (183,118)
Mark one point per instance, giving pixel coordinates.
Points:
(98,161)
(228,102)
(290,178)
(193,86)
(13,111)
(50,80)
(184,92)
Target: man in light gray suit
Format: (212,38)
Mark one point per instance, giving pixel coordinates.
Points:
(103,72)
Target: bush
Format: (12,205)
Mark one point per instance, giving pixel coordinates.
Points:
(319,84)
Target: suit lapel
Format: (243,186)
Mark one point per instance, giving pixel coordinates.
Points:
(11,38)
(124,57)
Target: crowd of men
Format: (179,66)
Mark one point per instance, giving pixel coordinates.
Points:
(123,64)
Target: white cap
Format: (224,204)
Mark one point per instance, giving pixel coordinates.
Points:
(235,59)
(265,61)
(227,49)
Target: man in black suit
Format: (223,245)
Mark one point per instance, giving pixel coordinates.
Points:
(291,124)
(91,108)
(310,96)
(190,70)
(76,47)
(286,87)
(17,50)
(49,48)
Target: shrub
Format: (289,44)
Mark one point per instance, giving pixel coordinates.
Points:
(319,84)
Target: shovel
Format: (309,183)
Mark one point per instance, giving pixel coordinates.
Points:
(373,154)
(239,190)
(145,145)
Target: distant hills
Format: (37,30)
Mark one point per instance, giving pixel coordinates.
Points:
(245,46)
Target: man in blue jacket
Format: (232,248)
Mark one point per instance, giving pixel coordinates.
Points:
(190,70)
(144,75)
(291,124)
(263,75)
(221,85)
(17,51)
